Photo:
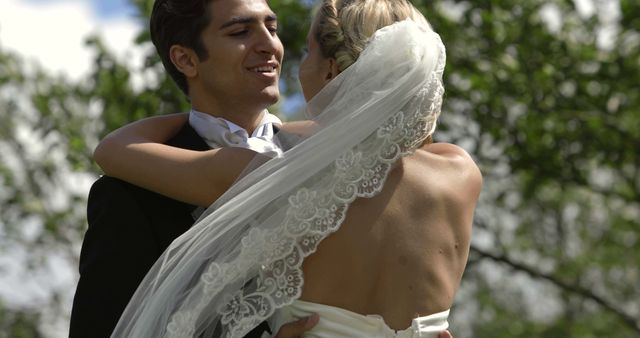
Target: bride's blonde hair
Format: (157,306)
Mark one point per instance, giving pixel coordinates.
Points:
(343,27)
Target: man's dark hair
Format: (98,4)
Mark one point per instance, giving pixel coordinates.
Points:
(179,22)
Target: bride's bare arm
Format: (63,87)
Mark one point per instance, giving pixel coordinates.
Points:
(303,128)
(135,153)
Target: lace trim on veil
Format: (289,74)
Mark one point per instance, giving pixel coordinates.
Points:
(312,215)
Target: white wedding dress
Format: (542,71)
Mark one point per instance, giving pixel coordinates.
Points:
(336,322)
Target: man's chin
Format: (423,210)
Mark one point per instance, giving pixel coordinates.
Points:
(270,96)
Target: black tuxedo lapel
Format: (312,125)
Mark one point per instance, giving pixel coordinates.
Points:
(188,138)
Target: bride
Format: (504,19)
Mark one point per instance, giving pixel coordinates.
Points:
(362,220)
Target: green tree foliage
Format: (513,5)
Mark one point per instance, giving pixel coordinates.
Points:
(551,114)
(541,94)
(18,324)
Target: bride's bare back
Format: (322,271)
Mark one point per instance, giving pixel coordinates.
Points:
(401,254)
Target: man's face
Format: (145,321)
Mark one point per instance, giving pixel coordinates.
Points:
(245,57)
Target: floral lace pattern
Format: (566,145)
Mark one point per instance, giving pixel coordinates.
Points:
(312,215)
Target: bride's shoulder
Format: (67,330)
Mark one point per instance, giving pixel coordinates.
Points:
(448,152)
(452,161)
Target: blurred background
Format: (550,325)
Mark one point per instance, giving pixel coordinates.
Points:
(544,94)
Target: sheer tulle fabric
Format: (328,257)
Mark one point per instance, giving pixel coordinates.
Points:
(242,260)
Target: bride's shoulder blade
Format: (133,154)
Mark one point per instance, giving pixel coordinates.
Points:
(453,167)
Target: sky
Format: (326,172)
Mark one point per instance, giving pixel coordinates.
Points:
(52,32)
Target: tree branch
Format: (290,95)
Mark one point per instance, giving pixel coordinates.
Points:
(571,288)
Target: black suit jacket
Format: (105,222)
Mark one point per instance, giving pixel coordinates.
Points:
(129,228)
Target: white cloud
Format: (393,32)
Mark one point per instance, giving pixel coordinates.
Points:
(53,34)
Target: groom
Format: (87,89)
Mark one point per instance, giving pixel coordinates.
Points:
(226,57)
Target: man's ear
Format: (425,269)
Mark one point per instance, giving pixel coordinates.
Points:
(332,70)
(185,60)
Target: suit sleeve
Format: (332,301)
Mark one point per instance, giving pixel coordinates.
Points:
(117,252)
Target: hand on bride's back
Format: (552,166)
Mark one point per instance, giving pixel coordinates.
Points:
(297,328)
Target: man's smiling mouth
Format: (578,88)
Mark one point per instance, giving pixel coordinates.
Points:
(263,69)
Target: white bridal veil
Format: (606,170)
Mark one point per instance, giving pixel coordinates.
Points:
(242,260)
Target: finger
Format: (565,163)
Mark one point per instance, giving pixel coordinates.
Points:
(445,334)
(297,328)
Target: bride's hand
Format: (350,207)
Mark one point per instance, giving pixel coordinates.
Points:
(297,328)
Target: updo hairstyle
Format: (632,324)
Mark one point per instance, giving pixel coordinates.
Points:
(343,27)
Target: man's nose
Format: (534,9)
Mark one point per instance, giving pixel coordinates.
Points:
(267,43)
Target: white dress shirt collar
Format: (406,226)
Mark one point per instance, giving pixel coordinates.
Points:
(219,132)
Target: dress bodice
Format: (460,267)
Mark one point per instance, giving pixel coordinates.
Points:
(340,323)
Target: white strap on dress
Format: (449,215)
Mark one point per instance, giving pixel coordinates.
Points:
(340,323)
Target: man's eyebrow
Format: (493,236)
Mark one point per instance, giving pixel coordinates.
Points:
(247,20)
